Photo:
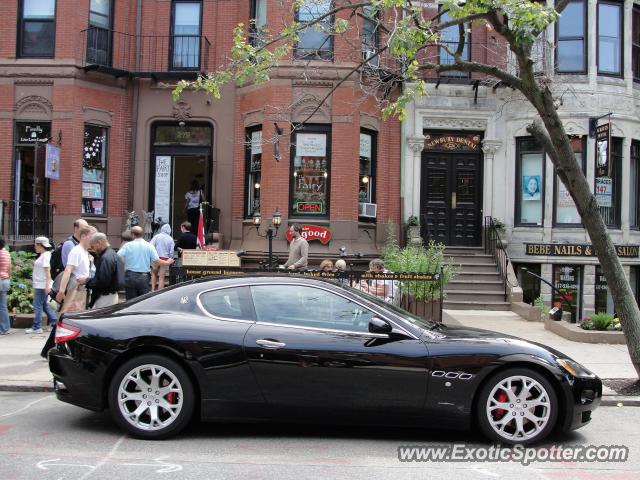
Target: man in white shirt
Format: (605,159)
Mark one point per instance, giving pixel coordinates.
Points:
(79,266)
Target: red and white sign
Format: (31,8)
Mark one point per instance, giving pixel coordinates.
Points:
(313,232)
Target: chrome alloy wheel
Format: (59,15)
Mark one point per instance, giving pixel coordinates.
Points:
(150,397)
(518,408)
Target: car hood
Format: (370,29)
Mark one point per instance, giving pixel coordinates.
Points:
(502,342)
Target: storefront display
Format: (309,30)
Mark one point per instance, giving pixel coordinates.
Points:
(567,294)
(310,175)
(94,164)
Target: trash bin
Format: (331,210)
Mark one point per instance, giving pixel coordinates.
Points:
(555,314)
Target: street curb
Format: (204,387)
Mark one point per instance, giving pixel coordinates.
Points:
(619,400)
(27,387)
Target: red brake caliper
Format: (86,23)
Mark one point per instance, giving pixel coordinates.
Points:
(171,397)
(501,397)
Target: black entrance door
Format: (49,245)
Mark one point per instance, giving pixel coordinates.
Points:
(451,198)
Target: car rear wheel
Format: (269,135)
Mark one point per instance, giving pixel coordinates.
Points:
(517,406)
(151,397)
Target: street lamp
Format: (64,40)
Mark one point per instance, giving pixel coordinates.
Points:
(276,220)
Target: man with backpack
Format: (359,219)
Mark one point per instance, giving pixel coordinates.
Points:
(60,255)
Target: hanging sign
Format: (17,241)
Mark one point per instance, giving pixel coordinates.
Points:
(577,250)
(312,232)
(162,199)
(311,145)
(604,191)
(603,150)
(52,162)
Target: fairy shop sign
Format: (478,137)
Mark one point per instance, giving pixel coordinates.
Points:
(313,232)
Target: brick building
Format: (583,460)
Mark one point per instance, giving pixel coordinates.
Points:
(94,78)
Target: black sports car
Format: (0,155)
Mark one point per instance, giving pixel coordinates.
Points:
(302,349)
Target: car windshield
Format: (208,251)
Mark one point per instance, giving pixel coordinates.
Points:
(409,317)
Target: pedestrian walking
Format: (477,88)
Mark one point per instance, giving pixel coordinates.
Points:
(164,245)
(106,282)
(58,260)
(5,283)
(78,268)
(298,249)
(139,257)
(41,281)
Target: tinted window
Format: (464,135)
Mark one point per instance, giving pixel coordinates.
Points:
(228,303)
(308,307)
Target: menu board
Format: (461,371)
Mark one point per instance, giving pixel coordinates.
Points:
(210,258)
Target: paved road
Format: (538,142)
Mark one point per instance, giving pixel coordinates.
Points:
(41,438)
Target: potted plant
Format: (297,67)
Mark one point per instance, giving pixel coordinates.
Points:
(501,230)
(413,231)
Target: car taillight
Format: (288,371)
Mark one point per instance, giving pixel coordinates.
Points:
(65,332)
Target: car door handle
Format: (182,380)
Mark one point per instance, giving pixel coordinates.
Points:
(270,344)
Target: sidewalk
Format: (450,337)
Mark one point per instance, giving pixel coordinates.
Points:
(606,361)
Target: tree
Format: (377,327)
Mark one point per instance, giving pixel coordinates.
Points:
(409,34)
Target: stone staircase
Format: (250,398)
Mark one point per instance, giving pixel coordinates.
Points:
(478,285)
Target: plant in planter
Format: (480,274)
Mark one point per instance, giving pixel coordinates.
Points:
(599,321)
(413,231)
(539,304)
(20,297)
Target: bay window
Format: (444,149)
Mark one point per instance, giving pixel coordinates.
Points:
(314,43)
(610,38)
(571,38)
(37,28)
(366,184)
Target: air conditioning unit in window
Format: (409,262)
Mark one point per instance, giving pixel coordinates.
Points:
(367,210)
(375,61)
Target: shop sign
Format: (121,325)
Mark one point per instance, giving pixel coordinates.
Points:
(603,150)
(604,191)
(309,207)
(33,132)
(52,162)
(210,258)
(161,207)
(311,145)
(365,145)
(577,250)
(452,142)
(256,142)
(313,232)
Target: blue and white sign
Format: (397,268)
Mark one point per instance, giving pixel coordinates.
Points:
(52,162)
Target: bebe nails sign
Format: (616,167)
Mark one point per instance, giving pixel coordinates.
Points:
(313,232)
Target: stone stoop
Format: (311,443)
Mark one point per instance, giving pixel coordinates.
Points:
(478,285)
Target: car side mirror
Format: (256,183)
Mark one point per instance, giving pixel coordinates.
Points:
(377,325)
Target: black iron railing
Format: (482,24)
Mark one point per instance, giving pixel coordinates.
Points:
(493,245)
(417,293)
(24,221)
(124,54)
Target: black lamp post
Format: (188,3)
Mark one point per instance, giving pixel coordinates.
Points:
(276,220)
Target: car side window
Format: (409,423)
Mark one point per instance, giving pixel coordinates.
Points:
(233,302)
(308,307)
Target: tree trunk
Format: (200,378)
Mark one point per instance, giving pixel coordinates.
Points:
(573,178)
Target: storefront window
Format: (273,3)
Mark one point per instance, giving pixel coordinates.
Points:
(603,300)
(530,170)
(567,293)
(566,212)
(366,192)
(254,169)
(530,285)
(607,184)
(94,169)
(310,171)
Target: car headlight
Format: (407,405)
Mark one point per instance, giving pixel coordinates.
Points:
(574,368)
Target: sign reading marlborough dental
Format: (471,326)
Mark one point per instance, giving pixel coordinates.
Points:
(577,250)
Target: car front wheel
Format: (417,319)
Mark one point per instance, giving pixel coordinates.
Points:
(517,406)
(151,397)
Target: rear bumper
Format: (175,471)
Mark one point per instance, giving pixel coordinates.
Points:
(74,383)
(582,397)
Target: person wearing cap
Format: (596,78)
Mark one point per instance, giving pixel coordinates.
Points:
(41,280)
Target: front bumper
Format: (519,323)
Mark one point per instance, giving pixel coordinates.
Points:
(582,397)
(74,382)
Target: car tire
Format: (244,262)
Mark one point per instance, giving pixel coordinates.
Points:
(517,406)
(151,397)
